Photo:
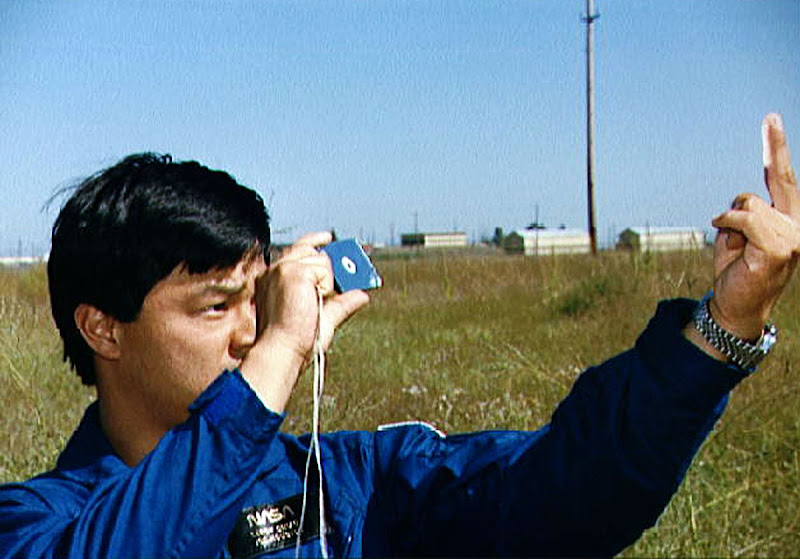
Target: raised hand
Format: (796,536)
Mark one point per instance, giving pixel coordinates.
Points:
(289,318)
(758,244)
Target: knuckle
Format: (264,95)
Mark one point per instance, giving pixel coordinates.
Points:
(786,175)
(749,201)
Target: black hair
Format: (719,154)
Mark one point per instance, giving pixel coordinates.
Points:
(128,227)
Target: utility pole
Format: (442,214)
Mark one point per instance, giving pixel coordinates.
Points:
(589,19)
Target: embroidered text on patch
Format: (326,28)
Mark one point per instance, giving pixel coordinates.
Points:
(272,527)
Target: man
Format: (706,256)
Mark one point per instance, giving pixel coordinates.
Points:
(156,287)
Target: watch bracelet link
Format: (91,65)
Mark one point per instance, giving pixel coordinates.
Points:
(743,353)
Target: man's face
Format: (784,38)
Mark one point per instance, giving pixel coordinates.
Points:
(191,327)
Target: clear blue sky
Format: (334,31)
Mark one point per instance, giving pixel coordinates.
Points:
(358,115)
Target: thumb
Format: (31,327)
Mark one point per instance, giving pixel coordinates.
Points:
(337,310)
(733,240)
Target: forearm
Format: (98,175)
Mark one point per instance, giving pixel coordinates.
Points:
(620,443)
(590,482)
(272,368)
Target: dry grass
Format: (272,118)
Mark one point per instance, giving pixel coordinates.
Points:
(476,341)
(41,400)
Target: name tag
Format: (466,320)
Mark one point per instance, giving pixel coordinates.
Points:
(266,528)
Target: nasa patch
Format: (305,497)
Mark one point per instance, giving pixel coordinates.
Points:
(266,528)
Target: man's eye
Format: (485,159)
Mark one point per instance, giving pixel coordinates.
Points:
(218,307)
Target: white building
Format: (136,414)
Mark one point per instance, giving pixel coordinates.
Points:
(14,261)
(532,242)
(656,239)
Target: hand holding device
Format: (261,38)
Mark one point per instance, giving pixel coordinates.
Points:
(290,321)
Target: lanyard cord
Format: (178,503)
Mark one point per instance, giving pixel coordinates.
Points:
(313,449)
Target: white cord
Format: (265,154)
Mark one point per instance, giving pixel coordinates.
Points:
(319,383)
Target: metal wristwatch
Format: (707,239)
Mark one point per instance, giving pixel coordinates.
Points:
(744,353)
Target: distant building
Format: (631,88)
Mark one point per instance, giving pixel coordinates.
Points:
(16,261)
(533,242)
(657,239)
(434,240)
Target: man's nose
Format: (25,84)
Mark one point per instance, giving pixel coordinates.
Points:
(244,332)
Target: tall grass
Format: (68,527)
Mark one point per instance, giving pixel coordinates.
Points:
(479,341)
(40,401)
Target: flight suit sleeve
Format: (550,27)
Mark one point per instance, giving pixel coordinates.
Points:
(589,483)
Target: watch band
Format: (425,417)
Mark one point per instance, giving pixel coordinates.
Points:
(746,354)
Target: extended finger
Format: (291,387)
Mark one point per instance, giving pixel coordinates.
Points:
(778,173)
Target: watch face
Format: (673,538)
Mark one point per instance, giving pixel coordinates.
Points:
(768,338)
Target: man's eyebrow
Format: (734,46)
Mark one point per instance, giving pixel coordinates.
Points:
(225,288)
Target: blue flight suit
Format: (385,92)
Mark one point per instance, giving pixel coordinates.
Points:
(228,482)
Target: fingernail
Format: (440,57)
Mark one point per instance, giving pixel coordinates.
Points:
(727,238)
(777,121)
(772,120)
(766,155)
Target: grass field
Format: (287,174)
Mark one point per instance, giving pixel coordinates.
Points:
(477,341)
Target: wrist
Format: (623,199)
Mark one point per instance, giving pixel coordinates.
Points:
(743,352)
(749,328)
(272,367)
(691,333)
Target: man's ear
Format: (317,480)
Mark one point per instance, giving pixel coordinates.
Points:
(99,330)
